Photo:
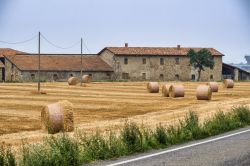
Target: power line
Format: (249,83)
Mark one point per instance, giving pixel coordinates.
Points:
(19,42)
(57,46)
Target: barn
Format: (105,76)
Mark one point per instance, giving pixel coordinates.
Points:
(54,67)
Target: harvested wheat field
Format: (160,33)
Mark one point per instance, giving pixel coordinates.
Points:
(104,106)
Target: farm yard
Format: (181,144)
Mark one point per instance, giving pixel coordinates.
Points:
(105,105)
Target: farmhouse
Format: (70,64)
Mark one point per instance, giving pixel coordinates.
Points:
(54,67)
(127,63)
(158,63)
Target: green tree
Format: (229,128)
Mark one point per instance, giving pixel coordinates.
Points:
(200,60)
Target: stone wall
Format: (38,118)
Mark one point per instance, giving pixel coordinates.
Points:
(63,75)
(14,74)
(1,74)
(210,75)
(153,70)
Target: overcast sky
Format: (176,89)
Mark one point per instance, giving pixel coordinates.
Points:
(221,24)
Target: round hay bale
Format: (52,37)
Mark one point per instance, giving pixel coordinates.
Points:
(153,87)
(52,118)
(176,91)
(58,117)
(86,78)
(73,81)
(214,86)
(204,92)
(68,115)
(228,83)
(165,90)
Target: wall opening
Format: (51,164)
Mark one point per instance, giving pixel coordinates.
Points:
(125,61)
(108,76)
(144,76)
(193,77)
(211,77)
(177,77)
(177,61)
(161,61)
(32,76)
(55,77)
(125,76)
(161,77)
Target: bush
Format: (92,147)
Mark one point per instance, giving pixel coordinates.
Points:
(220,123)
(54,151)
(95,148)
(161,135)
(242,114)
(132,137)
(6,156)
(191,124)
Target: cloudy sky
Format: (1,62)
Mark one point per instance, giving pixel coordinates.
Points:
(222,24)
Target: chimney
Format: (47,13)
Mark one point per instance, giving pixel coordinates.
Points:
(178,46)
(126,44)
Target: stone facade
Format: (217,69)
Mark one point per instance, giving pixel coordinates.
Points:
(14,74)
(214,74)
(143,67)
(1,76)
(116,63)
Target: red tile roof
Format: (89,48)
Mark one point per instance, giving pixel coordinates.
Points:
(161,51)
(54,62)
(9,51)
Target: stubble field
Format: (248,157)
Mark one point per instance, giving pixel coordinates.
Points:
(105,106)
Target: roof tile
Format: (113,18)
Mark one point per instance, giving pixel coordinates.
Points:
(162,51)
(9,51)
(59,62)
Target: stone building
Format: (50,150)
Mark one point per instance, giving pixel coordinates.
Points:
(1,69)
(158,63)
(117,63)
(3,52)
(54,67)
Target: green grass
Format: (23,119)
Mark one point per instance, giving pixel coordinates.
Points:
(132,138)
(7,156)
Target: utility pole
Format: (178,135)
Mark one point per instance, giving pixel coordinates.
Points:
(81,62)
(39,60)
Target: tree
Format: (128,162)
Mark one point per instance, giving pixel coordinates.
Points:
(200,60)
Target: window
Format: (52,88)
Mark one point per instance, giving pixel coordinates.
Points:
(144,76)
(161,61)
(125,61)
(177,61)
(71,75)
(177,77)
(193,77)
(211,77)
(55,77)
(32,76)
(125,76)
(108,76)
(161,77)
(144,61)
